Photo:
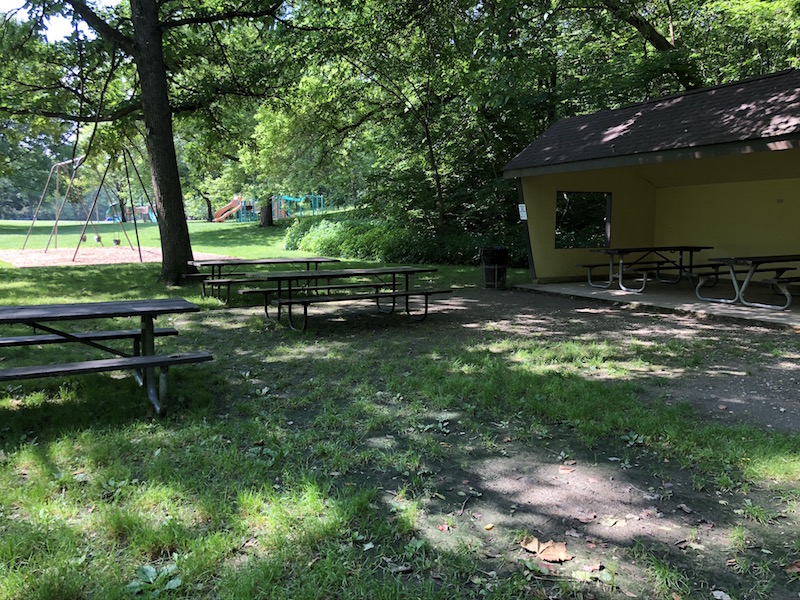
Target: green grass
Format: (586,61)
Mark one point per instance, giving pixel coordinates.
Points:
(306,465)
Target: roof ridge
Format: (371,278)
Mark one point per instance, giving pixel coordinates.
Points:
(692,92)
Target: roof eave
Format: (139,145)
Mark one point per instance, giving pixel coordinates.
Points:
(699,152)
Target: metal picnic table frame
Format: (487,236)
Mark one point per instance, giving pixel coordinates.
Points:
(45,317)
(683,263)
(774,263)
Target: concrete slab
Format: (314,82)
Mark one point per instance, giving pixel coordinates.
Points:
(682,298)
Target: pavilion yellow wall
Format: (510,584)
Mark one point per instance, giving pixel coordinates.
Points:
(750,217)
(632,217)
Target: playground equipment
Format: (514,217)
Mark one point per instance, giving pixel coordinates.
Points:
(230,209)
(60,170)
(144,212)
(285,207)
(239,208)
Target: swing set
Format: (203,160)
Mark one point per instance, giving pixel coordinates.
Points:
(67,170)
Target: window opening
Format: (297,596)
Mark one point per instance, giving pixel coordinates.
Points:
(583,219)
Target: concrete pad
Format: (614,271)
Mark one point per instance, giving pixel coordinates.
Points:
(681,297)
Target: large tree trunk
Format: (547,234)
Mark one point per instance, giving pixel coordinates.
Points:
(265,216)
(176,248)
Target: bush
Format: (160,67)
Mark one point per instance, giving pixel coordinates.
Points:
(360,237)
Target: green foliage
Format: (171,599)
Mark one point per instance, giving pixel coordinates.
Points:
(360,237)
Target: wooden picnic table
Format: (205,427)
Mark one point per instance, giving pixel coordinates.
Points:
(143,359)
(749,266)
(655,259)
(304,287)
(223,270)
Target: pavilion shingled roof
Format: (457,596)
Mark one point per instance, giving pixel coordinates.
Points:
(763,108)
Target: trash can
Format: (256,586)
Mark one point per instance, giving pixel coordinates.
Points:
(494,263)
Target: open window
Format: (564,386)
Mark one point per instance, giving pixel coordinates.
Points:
(583,219)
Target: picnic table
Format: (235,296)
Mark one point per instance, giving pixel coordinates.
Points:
(749,266)
(223,270)
(678,259)
(387,284)
(143,359)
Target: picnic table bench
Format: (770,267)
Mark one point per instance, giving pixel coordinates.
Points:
(643,260)
(224,271)
(776,264)
(142,360)
(293,288)
(267,292)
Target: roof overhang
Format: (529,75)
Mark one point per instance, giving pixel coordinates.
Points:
(662,157)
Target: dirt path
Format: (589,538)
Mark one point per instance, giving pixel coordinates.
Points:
(756,381)
(618,514)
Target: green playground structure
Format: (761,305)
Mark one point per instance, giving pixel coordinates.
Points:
(285,207)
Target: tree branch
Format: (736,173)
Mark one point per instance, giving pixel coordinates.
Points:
(101,27)
(268,11)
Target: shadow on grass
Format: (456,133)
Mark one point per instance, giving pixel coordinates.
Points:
(367,456)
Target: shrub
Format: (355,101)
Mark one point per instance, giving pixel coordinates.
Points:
(360,237)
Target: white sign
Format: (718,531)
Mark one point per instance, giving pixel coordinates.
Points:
(523,212)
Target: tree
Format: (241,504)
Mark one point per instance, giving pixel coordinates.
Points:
(133,69)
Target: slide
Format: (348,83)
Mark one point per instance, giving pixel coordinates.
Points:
(230,209)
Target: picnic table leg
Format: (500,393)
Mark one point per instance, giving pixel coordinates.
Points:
(701,282)
(608,283)
(149,373)
(291,320)
(394,298)
(784,289)
(418,317)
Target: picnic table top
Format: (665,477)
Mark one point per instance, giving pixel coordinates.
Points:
(676,248)
(338,273)
(30,313)
(756,260)
(217,262)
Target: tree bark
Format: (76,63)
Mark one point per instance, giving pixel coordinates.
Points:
(148,53)
(685,71)
(265,217)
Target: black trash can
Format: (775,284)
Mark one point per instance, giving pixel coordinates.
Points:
(494,263)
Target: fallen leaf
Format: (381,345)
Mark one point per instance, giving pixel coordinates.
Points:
(720,595)
(506,439)
(587,518)
(443,527)
(563,469)
(676,596)
(570,462)
(794,567)
(489,526)
(550,551)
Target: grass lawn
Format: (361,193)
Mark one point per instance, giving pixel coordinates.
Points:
(378,458)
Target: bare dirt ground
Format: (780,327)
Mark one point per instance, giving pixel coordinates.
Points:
(617,508)
(88,254)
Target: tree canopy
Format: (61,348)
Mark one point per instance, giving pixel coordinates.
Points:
(409,109)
